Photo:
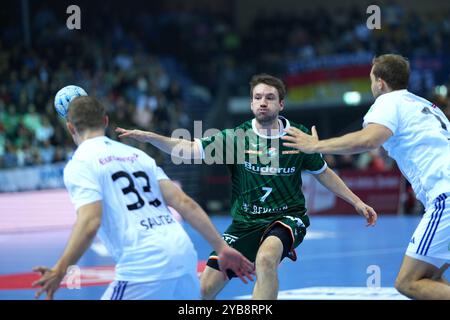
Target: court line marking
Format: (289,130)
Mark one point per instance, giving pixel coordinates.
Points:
(337,293)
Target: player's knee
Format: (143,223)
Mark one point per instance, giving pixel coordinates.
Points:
(399,284)
(266,262)
(403,285)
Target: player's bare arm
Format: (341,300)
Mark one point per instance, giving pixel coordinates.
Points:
(371,137)
(88,222)
(178,147)
(229,258)
(332,182)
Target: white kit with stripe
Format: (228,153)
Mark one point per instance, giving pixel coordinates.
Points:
(431,240)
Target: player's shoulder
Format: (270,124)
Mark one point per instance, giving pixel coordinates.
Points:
(83,155)
(102,150)
(397,97)
(233,132)
(75,168)
(247,125)
(133,152)
(386,105)
(91,148)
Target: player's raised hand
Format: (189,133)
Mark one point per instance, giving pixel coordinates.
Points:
(49,281)
(297,139)
(230,258)
(368,212)
(138,135)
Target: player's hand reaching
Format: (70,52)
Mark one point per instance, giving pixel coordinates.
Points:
(230,258)
(368,212)
(138,135)
(297,139)
(49,281)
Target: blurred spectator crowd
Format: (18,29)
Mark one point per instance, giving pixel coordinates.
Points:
(135,88)
(278,38)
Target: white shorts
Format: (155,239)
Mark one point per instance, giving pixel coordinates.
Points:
(185,287)
(431,240)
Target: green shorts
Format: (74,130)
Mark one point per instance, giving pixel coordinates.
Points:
(246,237)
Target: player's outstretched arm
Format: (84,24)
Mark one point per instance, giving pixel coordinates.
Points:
(88,221)
(180,148)
(332,182)
(229,258)
(371,137)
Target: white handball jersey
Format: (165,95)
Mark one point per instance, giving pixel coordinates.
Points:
(137,228)
(420,143)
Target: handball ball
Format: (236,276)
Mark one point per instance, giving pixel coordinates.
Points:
(64,96)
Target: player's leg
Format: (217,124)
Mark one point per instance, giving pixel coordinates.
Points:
(240,238)
(267,260)
(212,282)
(421,280)
(279,240)
(440,276)
(421,275)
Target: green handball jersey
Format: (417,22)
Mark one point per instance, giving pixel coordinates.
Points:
(266,176)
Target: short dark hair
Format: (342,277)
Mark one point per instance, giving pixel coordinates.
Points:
(393,69)
(86,113)
(270,81)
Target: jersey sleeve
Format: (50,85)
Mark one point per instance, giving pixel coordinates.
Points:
(160,174)
(82,184)
(384,112)
(314,163)
(156,171)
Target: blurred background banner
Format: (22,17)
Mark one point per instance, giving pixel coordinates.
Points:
(381,190)
(332,84)
(48,176)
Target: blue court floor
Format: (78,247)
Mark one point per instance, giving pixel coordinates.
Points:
(340,258)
